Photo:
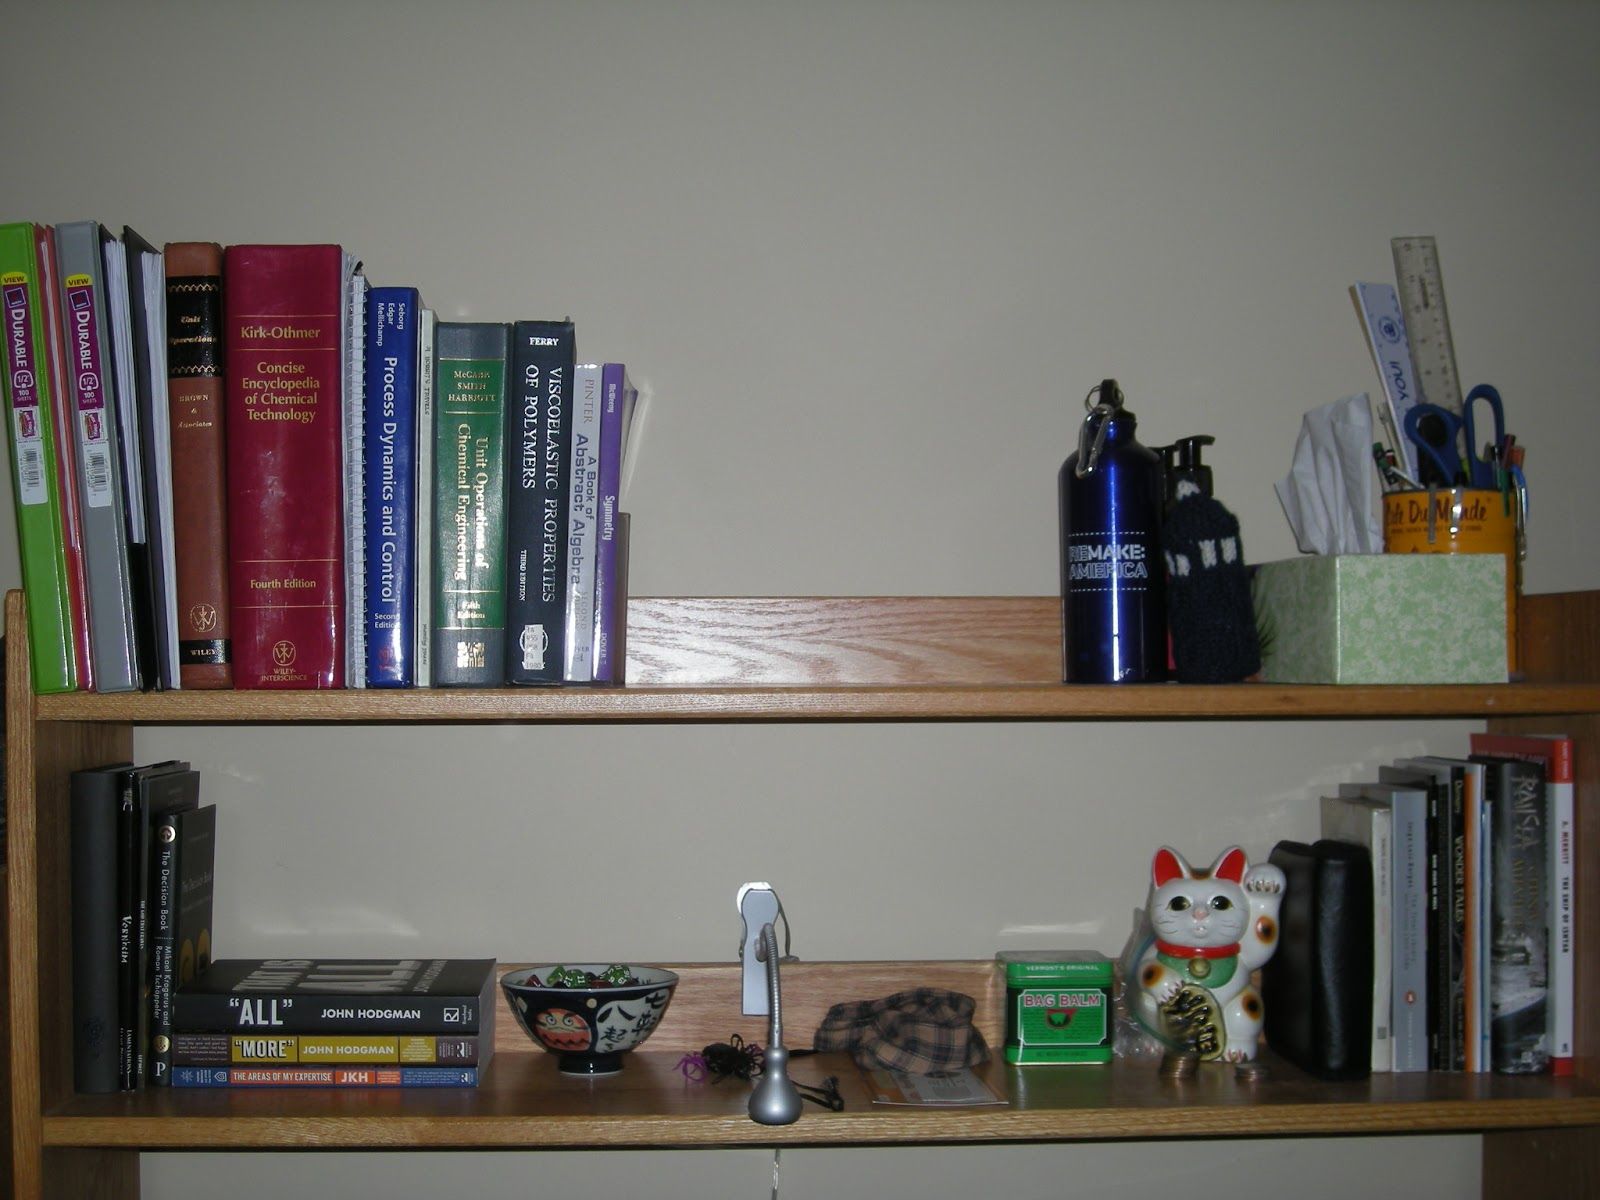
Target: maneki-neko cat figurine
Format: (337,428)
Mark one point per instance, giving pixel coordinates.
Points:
(1212,929)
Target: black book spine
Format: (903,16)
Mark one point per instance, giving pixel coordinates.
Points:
(182,859)
(130,848)
(164,859)
(1454,966)
(287,1012)
(95,1048)
(1435,926)
(1519,951)
(538,488)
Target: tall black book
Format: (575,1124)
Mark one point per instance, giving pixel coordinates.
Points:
(147,793)
(1519,927)
(96,1053)
(538,487)
(182,861)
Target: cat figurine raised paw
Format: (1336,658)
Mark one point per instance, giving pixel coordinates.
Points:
(1212,929)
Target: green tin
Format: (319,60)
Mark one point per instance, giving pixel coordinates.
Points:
(1058,1006)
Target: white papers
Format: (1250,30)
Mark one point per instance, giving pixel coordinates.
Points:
(1330,493)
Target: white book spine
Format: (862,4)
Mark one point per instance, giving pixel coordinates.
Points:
(582,526)
(424,503)
(1563,959)
(355,515)
(1409,810)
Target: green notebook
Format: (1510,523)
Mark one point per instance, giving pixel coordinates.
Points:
(35,478)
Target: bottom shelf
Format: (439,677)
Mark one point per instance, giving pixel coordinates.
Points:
(524,1101)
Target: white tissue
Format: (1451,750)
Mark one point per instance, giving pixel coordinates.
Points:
(1330,493)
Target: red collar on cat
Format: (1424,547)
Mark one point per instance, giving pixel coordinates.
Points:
(1178,951)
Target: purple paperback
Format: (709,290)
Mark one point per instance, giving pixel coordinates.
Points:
(617,396)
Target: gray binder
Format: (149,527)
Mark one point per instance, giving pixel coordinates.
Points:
(86,341)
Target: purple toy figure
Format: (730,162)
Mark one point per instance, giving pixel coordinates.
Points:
(1212,928)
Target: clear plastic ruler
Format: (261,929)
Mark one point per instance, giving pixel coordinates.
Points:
(1379,306)
(1421,288)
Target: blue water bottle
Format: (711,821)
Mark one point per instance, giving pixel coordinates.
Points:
(1113,578)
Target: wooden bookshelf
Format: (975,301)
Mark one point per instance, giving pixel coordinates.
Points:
(867,659)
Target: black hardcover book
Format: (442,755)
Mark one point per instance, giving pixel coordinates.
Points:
(147,792)
(96,796)
(377,996)
(1519,929)
(182,861)
(538,487)
(145,272)
(1317,989)
(1450,965)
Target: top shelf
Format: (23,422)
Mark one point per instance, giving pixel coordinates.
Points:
(877,658)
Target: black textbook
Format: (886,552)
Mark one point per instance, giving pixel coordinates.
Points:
(375,996)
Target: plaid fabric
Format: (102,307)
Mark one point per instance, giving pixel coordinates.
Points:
(924,1031)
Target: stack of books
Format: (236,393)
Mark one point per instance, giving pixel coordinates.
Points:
(143,849)
(335,1023)
(1473,935)
(371,497)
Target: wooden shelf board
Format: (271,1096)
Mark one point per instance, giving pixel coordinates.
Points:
(524,1101)
(951,702)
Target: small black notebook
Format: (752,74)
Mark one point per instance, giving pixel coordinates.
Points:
(1317,988)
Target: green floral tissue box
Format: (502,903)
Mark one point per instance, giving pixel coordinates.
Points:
(1382,618)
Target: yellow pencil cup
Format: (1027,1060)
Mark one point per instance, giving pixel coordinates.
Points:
(1460,521)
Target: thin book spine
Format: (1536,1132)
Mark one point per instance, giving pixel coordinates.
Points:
(538,431)
(425,435)
(196,422)
(469,560)
(352,406)
(342,1050)
(617,396)
(391,485)
(584,479)
(54,355)
(87,335)
(325,1077)
(147,306)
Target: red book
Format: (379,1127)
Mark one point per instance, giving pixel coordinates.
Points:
(66,423)
(283,320)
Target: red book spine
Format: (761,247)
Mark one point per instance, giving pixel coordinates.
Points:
(195,406)
(66,422)
(283,320)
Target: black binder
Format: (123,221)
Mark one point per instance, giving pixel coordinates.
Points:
(1317,988)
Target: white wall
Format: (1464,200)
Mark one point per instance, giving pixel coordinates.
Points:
(868,257)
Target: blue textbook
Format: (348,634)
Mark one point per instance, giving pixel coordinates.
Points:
(393,369)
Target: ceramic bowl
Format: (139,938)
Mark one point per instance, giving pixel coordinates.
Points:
(589,1028)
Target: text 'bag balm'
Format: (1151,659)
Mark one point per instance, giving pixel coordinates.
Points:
(1058,1006)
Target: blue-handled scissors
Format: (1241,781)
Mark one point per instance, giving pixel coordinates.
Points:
(1483,471)
(1439,435)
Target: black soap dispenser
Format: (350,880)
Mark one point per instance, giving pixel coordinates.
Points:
(1209,609)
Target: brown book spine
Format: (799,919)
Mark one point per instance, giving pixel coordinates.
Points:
(199,462)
